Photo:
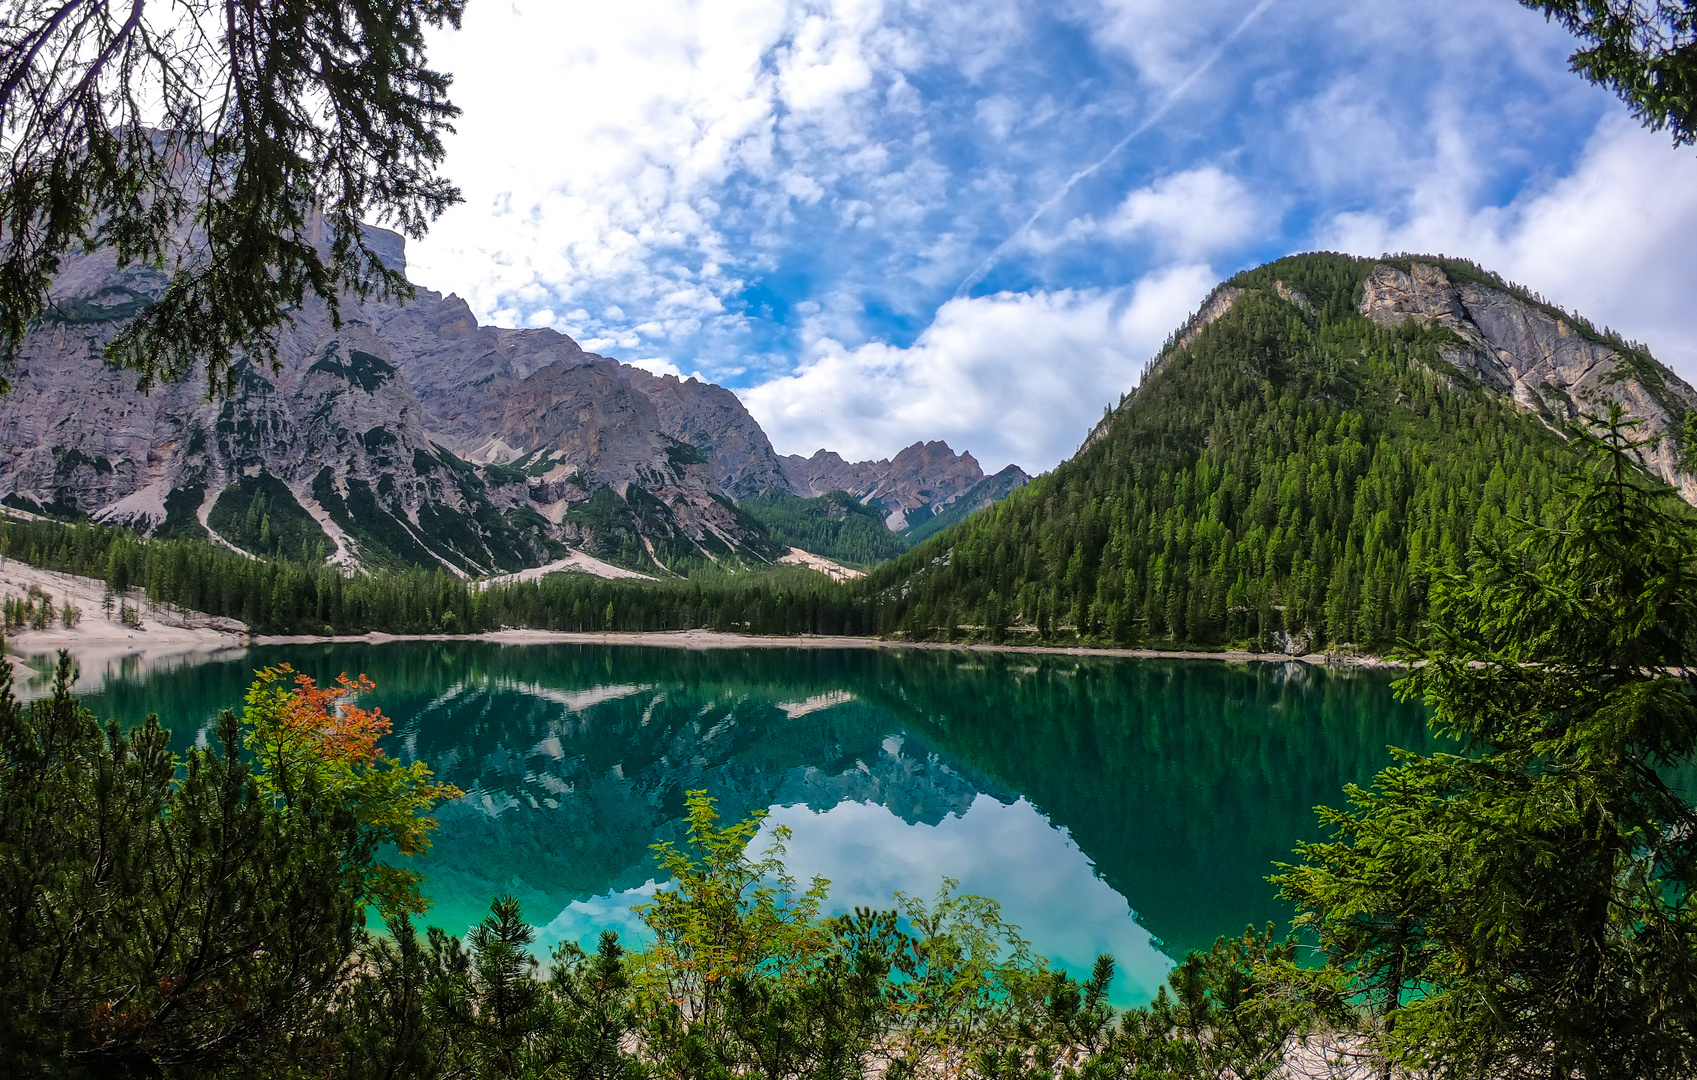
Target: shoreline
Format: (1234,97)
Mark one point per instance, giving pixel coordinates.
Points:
(171,637)
(103,647)
(702,640)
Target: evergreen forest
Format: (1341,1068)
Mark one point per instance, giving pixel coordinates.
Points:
(836,525)
(1291,475)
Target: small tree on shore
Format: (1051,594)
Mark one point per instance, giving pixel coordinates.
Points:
(192,915)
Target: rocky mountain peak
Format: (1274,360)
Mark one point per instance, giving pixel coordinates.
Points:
(1551,363)
(925,476)
(712,419)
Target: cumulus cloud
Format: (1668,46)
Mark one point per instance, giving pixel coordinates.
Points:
(594,142)
(1612,239)
(659,152)
(1190,215)
(1018,377)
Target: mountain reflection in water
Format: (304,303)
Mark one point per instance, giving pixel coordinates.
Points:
(1129,806)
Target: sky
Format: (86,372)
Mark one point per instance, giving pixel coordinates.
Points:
(880,221)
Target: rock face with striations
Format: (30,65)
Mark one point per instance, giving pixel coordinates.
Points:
(926,476)
(713,420)
(412,435)
(337,428)
(1546,360)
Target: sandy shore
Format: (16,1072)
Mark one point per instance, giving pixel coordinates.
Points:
(576,562)
(106,647)
(713,639)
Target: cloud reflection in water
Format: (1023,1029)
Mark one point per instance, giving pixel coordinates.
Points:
(1009,852)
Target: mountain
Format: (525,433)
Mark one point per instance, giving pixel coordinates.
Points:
(911,487)
(874,510)
(712,419)
(989,490)
(410,436)
(1298,460)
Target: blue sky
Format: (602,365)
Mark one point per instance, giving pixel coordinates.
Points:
(886,221)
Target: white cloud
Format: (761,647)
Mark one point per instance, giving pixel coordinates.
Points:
(1611,240)
(1046,886)
(826,60)
(1162,37)
(638,150)
(1190,215)
(592,141)
(998,113)
(1044,883)
(1018,377)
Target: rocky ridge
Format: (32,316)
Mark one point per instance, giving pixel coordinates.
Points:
(1551,363)
(991,489)
(412,435)
(911,487)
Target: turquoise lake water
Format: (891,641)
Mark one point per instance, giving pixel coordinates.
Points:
(1124,806)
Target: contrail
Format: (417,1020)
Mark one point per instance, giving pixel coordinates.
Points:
(1150,121)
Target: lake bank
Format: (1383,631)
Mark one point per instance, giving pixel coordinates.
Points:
(167,636)
(159,638)
(715,639)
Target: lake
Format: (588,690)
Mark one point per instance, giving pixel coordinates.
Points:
(1127,806)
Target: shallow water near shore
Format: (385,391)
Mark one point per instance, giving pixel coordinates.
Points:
(1131,806)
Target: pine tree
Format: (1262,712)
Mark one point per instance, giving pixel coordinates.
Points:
(1646,53)
(1526,906)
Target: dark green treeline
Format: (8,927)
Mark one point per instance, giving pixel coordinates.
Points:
(289,597)
(835,525)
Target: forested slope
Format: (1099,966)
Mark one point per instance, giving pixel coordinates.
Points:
(836,525)
(1287,474)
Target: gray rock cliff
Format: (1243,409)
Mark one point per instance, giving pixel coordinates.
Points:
(926,476)
(713,420)
(1545,360)
(337,425)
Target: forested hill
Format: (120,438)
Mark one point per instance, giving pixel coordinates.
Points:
(1291,469)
